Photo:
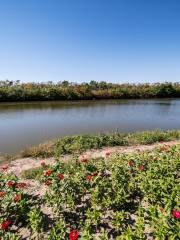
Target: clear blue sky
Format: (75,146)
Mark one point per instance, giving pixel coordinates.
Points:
(81,40)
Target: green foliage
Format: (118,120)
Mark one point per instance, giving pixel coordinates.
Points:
(16,91)
(15,206)
(59,231)
(35,219)
(80,143)
(34,173)
(125,197)
(116,190)
(11,236)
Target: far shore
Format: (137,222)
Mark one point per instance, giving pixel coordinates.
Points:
(17,91)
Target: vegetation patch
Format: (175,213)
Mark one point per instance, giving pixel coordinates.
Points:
(16,91)
(80,143)
(33,173)
(123,196)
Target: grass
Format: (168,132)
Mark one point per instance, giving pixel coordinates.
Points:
(6,158)
(33,173)
(42,150)
(80,143)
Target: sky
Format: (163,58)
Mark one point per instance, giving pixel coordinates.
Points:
(81,40)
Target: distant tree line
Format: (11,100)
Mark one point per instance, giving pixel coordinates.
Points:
(17,91)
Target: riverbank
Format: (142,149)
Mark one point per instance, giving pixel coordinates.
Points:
(81,143)
(30,167)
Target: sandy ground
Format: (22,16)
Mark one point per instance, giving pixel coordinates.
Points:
(35,188)
(19,165)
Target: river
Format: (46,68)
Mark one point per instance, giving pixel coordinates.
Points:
(26,124)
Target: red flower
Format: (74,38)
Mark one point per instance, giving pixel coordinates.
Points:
(60,176)
(48,173)
(21,185)
(5,168)
(176,214)
(84,160)
(141,168)
(48,182)
(43,164)
(130,163)
(6,224)
(73,235)
(10,184)
(2,193)
(108,154)
(89,178)
(17,198)
(94,174)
